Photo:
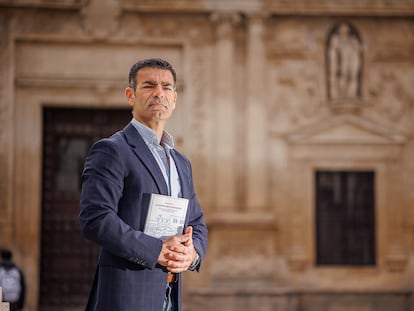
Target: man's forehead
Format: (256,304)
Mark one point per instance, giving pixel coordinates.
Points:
(155,75)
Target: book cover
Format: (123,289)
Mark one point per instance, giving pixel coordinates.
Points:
(166,216)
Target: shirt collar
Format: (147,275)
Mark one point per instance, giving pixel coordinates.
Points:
(150,137)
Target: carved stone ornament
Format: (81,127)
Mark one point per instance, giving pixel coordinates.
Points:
(298,259)
(254,262)
(397,260)
(101,17)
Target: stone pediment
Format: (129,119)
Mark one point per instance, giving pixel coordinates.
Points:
(346,129)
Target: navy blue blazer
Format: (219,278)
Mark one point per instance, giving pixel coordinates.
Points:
(120,174)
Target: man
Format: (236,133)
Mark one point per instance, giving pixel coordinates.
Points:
(12,281)
(137,271)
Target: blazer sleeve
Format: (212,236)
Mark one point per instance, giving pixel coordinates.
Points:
(102,189)
(200,232)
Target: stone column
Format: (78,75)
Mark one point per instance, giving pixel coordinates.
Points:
(396,253)
(257,179)
(6,133)
(224,104)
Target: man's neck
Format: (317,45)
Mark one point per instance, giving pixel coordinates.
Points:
(157,126)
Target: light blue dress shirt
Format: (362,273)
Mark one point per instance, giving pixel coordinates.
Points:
(162,154)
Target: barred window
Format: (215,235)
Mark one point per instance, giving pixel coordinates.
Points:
(345,218)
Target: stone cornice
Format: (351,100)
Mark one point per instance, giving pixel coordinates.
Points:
(280,7)
(64,4)
(272,7)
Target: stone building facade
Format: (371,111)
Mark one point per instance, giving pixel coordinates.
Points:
(271,94)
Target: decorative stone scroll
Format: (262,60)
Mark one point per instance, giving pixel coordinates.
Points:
(101,17)
(244,246)
(396,260)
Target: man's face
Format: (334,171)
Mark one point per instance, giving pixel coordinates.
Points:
(155,96)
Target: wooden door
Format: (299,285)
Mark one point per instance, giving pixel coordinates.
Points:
(68,261)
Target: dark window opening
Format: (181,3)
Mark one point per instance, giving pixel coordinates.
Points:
(345,218)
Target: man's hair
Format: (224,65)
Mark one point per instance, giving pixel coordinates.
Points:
(150,62)
(6,254)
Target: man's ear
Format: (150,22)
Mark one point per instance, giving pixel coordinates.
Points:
(130,95)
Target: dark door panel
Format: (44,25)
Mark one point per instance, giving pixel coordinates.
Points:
(67,260)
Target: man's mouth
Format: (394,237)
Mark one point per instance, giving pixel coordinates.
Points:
(157,105)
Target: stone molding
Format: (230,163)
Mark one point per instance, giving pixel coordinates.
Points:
(278,7)
(359,130)
(62,4)
(297,7)
(243,220)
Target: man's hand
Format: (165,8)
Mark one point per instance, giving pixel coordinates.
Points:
(178,252)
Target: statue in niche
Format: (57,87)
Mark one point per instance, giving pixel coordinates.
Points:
(344,57)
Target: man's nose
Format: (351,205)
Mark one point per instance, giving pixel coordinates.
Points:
(158,91)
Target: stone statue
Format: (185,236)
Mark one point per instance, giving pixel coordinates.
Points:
(344,57)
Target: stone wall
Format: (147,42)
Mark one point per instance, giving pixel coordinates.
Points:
(257,114)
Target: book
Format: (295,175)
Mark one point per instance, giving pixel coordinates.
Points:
(166,216)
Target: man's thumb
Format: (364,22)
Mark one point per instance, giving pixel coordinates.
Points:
(189,230)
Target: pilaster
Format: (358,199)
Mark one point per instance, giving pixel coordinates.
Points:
(257,183)
(226,110)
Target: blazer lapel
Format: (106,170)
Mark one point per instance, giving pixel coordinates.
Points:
(141,150)
(181,174)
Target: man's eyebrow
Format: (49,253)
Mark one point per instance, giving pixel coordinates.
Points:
(149,82)
(152,82)
(166,83)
